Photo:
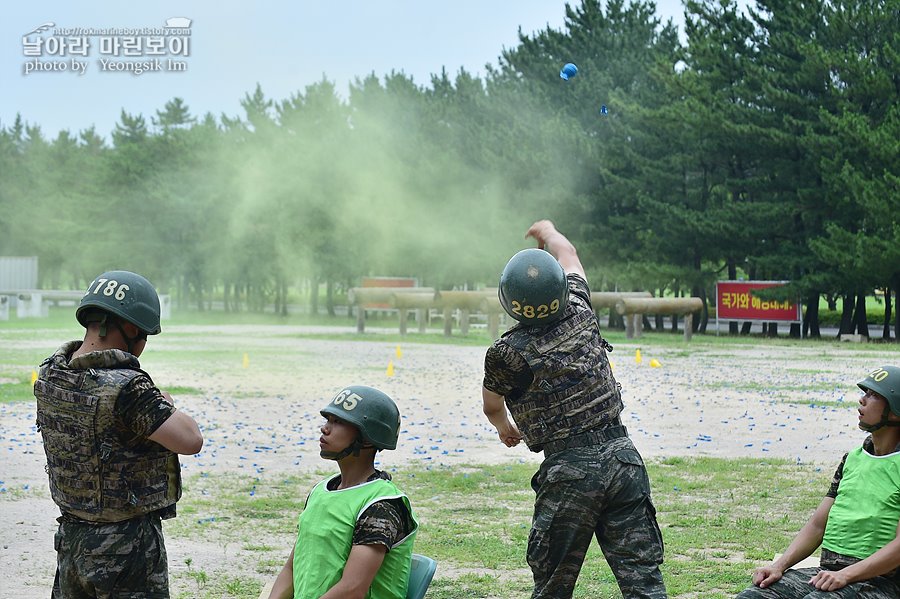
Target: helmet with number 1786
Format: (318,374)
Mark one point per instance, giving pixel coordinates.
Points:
(533,288)
(125,294)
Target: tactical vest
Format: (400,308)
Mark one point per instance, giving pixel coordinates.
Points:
(573,390)
(96,472)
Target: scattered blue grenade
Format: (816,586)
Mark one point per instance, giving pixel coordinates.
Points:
(568,71)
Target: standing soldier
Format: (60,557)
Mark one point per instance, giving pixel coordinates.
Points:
(552,372)
(111,439)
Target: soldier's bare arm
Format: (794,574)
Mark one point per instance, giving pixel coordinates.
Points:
(362,566)
(179,433)
(283,588)
(807,540)
(495,410)
(558,245)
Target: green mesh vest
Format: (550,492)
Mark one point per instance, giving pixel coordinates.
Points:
(325,534)
(573,390)
(94,474)
(864,516)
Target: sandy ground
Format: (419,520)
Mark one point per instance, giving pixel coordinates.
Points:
(262,418)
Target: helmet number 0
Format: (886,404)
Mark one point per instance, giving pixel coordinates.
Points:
(879,375)
(112,288)
(347,399)
(529,311)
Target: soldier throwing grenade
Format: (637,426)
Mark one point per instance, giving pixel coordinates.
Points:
(552,372)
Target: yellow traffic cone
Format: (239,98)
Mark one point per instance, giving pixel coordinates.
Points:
(246,361)
(637,357)
(654,363)
(612,364)
(33,377)
(399,352)
(390,368)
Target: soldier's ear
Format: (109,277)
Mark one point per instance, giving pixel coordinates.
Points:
(130,329)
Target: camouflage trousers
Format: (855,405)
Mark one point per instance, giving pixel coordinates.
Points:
(795,585)
(111,561)
(603,491)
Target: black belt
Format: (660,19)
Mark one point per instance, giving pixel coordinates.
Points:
(594,437)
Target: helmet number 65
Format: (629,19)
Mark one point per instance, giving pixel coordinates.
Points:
(347,399)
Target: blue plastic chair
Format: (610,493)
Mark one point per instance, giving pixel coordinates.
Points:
(420,574)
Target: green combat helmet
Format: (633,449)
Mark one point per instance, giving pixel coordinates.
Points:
(125,294)
(372,412)
(884,381)
(533,288)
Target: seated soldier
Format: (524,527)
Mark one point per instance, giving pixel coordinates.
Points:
(858,522)
(355,535)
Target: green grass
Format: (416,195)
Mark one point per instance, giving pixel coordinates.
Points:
(719,517)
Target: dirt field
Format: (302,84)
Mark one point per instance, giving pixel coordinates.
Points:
(793,401)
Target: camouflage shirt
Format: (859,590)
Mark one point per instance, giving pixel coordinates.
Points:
(385,522)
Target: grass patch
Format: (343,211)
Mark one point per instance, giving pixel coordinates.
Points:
(12,392)
(719,517)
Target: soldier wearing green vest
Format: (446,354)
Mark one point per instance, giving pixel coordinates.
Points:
(355,535)
(858,522)
(112,440)
(551,373)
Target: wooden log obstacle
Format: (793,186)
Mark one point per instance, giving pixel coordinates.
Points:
(483,301)
(633,309)
(366,296)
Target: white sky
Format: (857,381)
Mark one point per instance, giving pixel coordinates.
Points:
(283,46)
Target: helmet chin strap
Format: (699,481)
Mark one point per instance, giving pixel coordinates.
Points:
(129,341)
(353,448)
(871,428)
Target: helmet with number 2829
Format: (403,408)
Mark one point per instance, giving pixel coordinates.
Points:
(127,295)
(533,288)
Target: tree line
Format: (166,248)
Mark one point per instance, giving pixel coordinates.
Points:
(763,145)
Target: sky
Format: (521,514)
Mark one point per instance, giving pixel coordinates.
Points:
(234,45)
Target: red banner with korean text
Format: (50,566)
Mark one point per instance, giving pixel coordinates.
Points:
(735,301)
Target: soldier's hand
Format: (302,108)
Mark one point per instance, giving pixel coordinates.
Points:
(510,435)
(826,580)
(541,231)
(767,575)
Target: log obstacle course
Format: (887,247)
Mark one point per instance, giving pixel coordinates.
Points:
(483,301)
(421,298)
(632,305)
(424,299)
(634,308)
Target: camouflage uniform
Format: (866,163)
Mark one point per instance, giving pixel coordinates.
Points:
(111,560)
(112,484)
(558,385)
(794,584)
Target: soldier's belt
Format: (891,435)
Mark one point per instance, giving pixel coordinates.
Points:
(594,437)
